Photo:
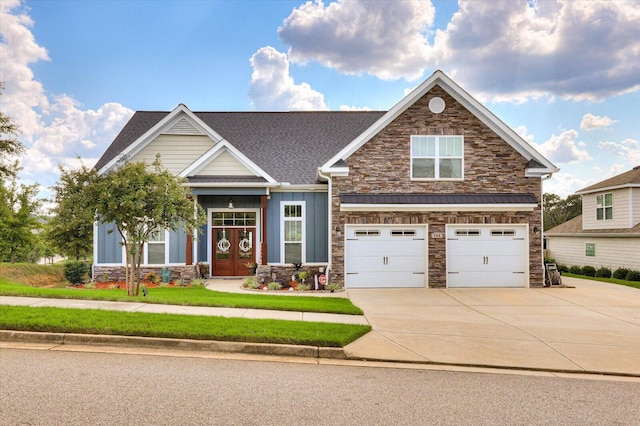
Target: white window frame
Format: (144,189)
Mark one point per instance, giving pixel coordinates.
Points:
(302,220)
(602,205)
(145,259)
(436,157)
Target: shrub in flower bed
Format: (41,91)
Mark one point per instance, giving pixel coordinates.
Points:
(589,271)
(575,269)
(621,273)
(603,272)
(74,271)
(633,276)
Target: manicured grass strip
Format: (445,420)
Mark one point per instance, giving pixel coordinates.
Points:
(91,321)
(635,284)
(192,296)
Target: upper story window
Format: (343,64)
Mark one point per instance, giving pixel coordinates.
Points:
(604,206)
(437,157)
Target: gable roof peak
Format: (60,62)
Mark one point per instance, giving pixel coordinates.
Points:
(542,166)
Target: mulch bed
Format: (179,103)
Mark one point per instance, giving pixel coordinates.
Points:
(101,285)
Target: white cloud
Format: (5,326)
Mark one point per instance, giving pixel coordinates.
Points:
(386,39)
(515,50)
(565,184)
(502,50)
(592,122)
(522,131)
(273,88)
(21,94)
(564,148)
(54,128)
(628,149)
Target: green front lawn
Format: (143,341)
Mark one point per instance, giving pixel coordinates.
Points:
(635,284)
(90,321)
(194,296)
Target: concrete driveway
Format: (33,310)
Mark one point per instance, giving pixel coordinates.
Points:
(594,327)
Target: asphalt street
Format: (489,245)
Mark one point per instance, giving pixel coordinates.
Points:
(45,387)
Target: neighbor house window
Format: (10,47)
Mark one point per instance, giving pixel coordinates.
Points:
(604,206)
(292,232)
(156,248)
(437,157)
(590,249)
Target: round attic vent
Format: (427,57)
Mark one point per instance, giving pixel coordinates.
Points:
(436,105)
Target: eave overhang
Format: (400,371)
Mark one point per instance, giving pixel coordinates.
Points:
(608,188)
(437,202)
(437,207)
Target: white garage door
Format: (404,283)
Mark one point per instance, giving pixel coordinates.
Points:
(493,256)
(385,256)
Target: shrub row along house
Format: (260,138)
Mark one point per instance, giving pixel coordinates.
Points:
(435,192)
(608,231)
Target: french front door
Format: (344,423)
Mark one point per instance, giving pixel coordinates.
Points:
(233,248)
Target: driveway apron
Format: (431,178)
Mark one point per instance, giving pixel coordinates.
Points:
(593,327)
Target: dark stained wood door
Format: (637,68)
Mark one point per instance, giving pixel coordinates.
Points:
(233,248)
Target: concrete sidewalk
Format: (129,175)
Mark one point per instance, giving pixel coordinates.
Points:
(594,327)
(183,310)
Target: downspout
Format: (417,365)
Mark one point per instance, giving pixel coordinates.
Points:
(544,269)
(329,220)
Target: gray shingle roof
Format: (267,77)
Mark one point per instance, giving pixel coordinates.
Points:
(289,146)
(627,178)
(573,227)
(438,199)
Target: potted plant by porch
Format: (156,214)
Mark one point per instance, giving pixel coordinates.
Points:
(203,269)
(253,266)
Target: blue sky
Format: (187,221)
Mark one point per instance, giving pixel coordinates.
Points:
(565,74)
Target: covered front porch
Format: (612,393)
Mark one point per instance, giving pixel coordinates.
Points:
(234,239)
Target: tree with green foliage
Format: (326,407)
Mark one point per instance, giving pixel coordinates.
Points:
(557,210)
(18,206)
(142,201)
(10,146)
(70,229)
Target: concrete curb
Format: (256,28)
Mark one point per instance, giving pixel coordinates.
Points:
(177,344)
(317,352)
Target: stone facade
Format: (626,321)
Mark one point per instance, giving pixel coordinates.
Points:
(117,273)
(382,165)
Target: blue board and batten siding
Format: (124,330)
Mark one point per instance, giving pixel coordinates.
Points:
(110,247)
(108,244)
(178,246)
(316,222)
(316,225)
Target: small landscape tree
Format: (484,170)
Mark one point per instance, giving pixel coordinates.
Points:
(10,146)
(70,229)
(18,205)
(141,201)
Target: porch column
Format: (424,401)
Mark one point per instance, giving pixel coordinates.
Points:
(263,225)
(189,249)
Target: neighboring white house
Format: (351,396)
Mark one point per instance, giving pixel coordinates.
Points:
(608,231)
